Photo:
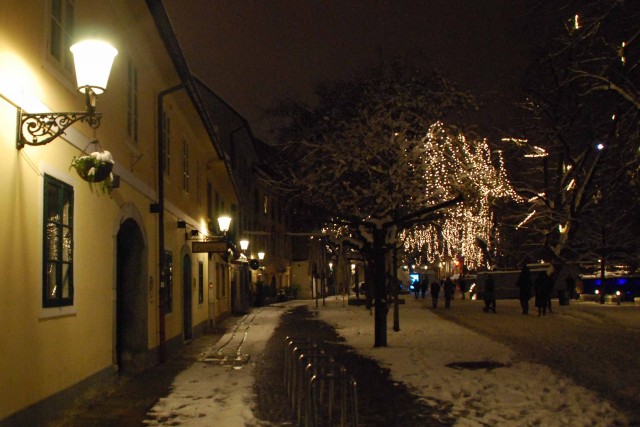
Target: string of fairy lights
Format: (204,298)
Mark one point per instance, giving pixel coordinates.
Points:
(452,161)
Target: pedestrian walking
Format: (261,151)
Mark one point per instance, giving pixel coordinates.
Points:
(416,288)
(423,288)
(435,293)
(449,290)
(542,293)
(525,284)
(489,295)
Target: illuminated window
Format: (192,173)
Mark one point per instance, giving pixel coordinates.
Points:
(61,33)
(57,288)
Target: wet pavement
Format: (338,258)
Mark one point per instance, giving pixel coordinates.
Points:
(126,403)
(382,401)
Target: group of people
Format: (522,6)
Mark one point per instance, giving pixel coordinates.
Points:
(542,287)
(446,285)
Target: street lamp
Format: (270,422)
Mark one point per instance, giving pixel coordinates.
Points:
(224,222)
(244,244)
(93,60)
(261,256)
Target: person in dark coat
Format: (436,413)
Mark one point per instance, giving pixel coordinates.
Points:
(489,295)
(542,293)
(449,289)
(423,288)
(525,284)
(435,292)
(416,288)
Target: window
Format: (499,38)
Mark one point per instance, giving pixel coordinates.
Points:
(166,144)
(57,288)
(132,101)
(185,166)
(61,33)
(167,279)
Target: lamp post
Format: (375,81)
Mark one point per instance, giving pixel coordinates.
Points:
(93,60)
(244,244)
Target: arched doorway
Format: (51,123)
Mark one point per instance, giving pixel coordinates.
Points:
(187,297)
(131,299)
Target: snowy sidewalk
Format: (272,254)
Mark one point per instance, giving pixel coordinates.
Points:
(482,381)
(431,355)
(217,390)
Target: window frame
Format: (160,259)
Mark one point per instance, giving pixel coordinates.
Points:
(62,57)
(59,300)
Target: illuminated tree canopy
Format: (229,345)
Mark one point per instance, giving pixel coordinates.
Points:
(374,157)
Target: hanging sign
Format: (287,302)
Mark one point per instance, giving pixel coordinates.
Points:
(211,247)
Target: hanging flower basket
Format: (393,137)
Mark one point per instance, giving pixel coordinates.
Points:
(95,168)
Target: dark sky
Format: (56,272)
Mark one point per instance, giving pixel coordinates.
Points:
(254,52)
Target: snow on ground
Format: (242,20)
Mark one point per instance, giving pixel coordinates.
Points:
(211,394)
(518,394)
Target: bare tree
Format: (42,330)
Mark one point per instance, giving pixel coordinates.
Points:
(578,144)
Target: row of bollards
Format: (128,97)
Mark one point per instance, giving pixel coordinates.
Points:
(320,391)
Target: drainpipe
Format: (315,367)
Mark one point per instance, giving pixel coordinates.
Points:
(162,356)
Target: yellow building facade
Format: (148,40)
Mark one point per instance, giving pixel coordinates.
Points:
(83,270)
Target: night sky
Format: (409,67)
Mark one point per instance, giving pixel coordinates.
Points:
(253,53)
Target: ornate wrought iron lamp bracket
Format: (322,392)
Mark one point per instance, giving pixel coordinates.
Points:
(42,128)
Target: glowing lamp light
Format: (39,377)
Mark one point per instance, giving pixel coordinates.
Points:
(600,146)
(244,244)
(224,222)
(93,60)
(260,256)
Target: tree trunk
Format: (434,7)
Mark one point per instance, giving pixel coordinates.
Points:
(380,304)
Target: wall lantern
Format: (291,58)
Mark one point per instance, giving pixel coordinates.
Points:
(260,256)
(224,222)
(93,60)
(244,244)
